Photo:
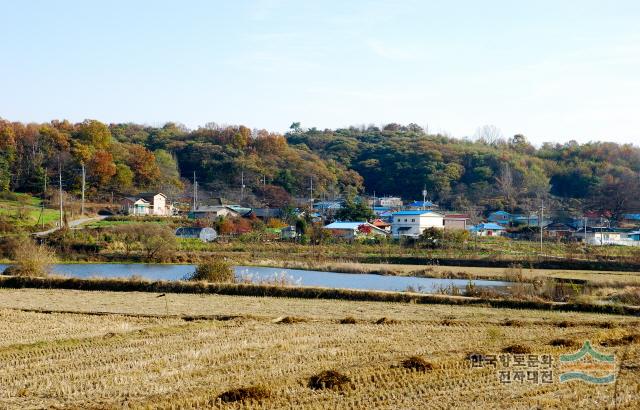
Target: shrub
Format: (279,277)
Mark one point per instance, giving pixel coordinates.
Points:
(244,393)
(623,341)
(214,270)
(386,321)
(288,320)
(158,242)
(31,259)
(628,296)
(512,322)
(565,324)
(563,342)
(328,379)
(349,320)
(417,363)
(517,349)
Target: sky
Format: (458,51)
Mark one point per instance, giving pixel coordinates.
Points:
(552,70)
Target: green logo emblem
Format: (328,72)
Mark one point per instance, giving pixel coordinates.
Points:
(588,365)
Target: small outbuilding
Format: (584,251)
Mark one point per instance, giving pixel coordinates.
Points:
(488,229)
(193,232)
(288,232)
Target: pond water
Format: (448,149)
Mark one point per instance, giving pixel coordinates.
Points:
(258,274)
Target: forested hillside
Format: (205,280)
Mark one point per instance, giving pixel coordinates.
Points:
(500,173)
(396,160)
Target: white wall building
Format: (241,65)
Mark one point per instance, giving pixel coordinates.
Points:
(389,202)
(413,223)
(158,202)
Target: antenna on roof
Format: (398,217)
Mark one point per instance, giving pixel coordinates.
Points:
(242,186)
(424,198)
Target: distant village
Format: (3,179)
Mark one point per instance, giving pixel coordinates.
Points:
(394,218)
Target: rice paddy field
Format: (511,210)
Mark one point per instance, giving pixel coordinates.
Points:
(81,349)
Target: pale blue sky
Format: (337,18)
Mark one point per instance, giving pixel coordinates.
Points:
(552,70)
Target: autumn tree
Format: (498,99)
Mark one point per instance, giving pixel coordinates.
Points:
(143,164)
(94,133)
(101,167)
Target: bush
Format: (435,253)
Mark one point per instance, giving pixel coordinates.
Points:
(31,259)
(328,379)
(244,393)
(214,270)
(156,241)
(563,342)
(417,363)
(517,349)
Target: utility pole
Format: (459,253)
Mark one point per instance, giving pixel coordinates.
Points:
(242,186)
(195,191)
(585,231)
(83,184)
(60,189)
(540,222)
(44,195)
(311,189)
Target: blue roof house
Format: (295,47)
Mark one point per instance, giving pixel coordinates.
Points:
(500,217)
(488,229)
(422,205)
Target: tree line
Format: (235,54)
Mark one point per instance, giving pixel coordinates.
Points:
(472,175)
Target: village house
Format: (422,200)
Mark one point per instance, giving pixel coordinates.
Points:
(146,203)
(158,203)
(384,225)
(634,237)
(289,232)
(595,218)
(204,234)
(456,221)
(327,206)
(353,230)
(388,202)
(526,220)
(602,236)
(488,229)
(631,219)
(500,217)
(559,230)
(413,223)
(213,212)
(267,213)
(422,205)
(134,206)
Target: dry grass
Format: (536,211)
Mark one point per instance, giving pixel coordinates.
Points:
(116,361)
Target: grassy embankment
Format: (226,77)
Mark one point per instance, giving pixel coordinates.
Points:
(136,356)
(23,212)
(476,297)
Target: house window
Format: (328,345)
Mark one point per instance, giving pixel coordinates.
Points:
(413,220)
(405,219)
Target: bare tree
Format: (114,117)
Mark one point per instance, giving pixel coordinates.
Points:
(506,184)
(489,134)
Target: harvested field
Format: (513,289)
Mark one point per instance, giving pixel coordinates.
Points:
(83,360)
